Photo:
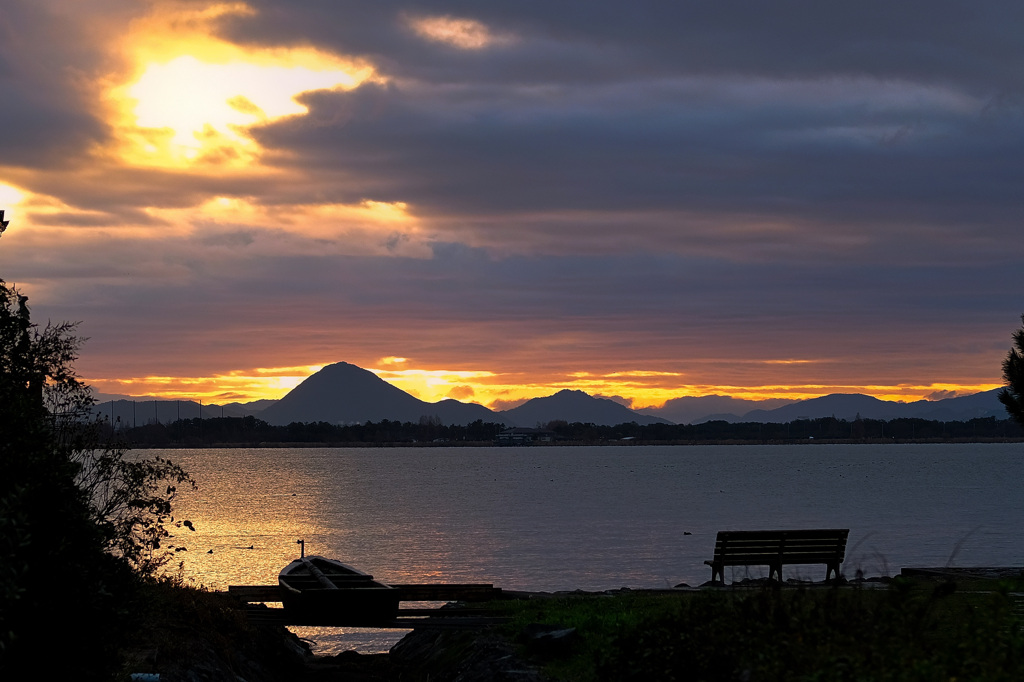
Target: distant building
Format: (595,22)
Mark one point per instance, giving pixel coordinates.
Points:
(523,436)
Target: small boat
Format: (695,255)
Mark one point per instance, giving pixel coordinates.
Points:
(321,591)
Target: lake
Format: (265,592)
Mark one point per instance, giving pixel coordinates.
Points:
(592,518)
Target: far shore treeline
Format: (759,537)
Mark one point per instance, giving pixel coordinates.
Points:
(250,431)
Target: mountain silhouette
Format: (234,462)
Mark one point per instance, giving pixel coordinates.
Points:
(576,406)
(346,394)
(138,411)
(849,405)
(698,409)
(840,405)
(343,393)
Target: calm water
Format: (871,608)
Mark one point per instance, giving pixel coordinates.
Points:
(589,518)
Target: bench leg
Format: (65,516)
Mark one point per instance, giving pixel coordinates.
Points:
(775,571)
(830,571)
(717,569)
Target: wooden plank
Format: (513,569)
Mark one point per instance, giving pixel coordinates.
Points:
(450,612)
(315,571)
(256,593)
(446,591)
(781,556)
(990,572)
(449,623)
(406,620)
(740,545)
(260,616)
(405,591)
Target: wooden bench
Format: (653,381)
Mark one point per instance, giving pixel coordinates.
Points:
(773,548)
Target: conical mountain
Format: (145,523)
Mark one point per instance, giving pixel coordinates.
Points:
(343,393)
(576,406)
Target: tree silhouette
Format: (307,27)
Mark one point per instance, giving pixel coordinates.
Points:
(1012,396)
(48,536)
(76,516)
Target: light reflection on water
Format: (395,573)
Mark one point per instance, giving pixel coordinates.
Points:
(588,518)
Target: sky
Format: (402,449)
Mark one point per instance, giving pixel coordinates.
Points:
(495,201)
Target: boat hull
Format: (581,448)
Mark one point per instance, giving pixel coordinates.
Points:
(320,591)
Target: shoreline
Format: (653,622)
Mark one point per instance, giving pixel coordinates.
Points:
(530,650)
(566,444)
(191,634)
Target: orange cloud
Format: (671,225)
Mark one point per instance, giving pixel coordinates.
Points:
(462,392)
(461,33)
(503,391)
(187,96)
(240,385)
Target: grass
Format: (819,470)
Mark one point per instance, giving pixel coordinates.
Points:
(913,630)
(178,628)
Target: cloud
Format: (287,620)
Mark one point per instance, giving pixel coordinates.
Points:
(941,42)
(465,34)
(502,405)
(462,392)
(47,58)
(685,192)
(625,402)
(802,179)
(943,395)
(725,155)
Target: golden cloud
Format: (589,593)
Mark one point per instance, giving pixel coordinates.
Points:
(186,97)
(461,33)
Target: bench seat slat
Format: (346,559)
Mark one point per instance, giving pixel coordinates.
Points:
(817,549)
(774,552)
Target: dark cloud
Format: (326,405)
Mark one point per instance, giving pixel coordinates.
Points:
(47,58)
(975,44)
(806,129)
(896,128)
(943,395)
(675,186)
(912,176)
(151,310)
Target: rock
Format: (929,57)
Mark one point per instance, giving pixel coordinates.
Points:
(462,656)
(549,641)
(351,666)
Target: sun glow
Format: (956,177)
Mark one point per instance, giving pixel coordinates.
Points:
(189,108)
(10,196)
(260,383)
(434,385)
(192,96)
(638,389)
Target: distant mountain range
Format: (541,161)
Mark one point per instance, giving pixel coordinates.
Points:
(343,393)
(575,406)
(693,410)
(839,405)
(849,405)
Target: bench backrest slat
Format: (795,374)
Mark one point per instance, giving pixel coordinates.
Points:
(795,546)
